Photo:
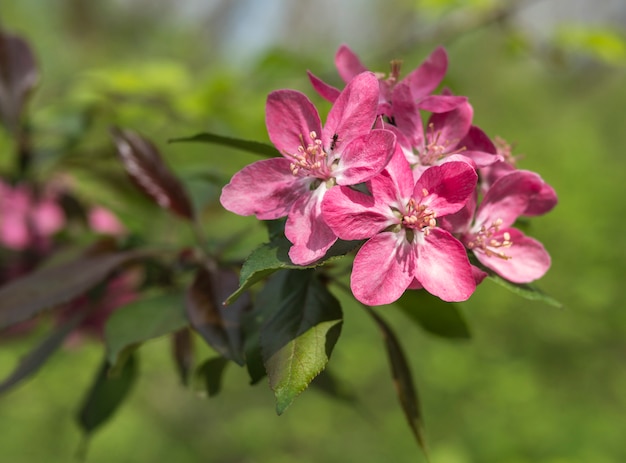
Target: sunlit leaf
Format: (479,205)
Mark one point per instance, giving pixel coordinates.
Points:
(32,361)
(298,340)
(208,376)
(106,394)
(148,170)
(601,43)
(220,326)
(434,315)
(273,256)
(18,77)
(401,373)
(183,353)
(52,285)
(527,291)
(254,147)
(142,320)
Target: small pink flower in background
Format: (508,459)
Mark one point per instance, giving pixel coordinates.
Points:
(416,86)
(102,220)
(346,151)
(406,247)
(488,232)
(25,220)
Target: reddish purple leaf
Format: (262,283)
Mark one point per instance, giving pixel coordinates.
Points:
(18,77)
(50,286)
(150,173)
(402,378)
(183,353)
(219,325)
(34,360)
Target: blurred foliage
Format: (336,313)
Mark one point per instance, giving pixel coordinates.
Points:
(534,384)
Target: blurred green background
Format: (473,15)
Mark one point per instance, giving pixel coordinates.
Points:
(534,384)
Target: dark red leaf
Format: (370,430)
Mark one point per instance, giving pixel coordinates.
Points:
(219,325)
(209,375)
(403,381)
(18,77)
(35,359)
(183,353)
(50,286)
(148,170)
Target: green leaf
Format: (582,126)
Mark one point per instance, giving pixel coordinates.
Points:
(35,359)
(254,147)
(209,375)
(267,302)
(298,340)
(403,380)
(434,315)
(106,395)
(48,287)
(139,321)
(219,326)
(527,291)
(273,256)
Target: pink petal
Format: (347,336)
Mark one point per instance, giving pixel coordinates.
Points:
(477,140)
(290,117)
(450,127)
(103,220)
(306,229)
(383,269)
(443,267)
(441,103)
(406,115)
(446,188)
(507,198)
(398,182)
(328,92)
(460,221)
(47,217)
(354,111)
(528,258)
(348,63)
(429,74)
(365,157)
(542,202)
(353,215)
(265,188)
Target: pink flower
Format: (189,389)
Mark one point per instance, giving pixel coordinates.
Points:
(27,221)
(488,232)
(543,201)
(346,151)
(406,247)
(102,220)
(449,136)
(417,86)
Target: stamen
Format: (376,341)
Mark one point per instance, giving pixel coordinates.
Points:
(484,241)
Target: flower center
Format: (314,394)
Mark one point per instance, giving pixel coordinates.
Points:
(505,150)
(311,159)
(436,149)
(417,217)
(484,241)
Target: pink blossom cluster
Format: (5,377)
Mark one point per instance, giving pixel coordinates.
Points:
(424,196)
(28,224)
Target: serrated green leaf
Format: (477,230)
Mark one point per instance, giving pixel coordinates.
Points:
(273,256)
(254,147)
(434,315)
(403,380)
(298,340)
(527,291)
(142,320)
(106,394)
